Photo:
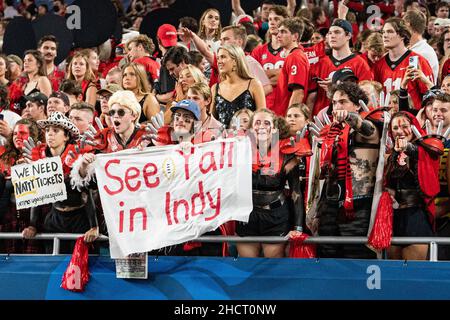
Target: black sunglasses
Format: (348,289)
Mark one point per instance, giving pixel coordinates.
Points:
(120,112)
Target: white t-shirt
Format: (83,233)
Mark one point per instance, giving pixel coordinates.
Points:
(10,13)
(11,118)
(425,50)
(257,70)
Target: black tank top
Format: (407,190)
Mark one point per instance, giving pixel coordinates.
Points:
(226,109)
(143,118)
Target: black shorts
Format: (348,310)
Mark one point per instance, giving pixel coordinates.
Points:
(262,222)
(412,222)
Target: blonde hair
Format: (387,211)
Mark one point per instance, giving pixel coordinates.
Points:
(126,99)
(143,85)
(88,75)
(196,73)
(237,54)
(244,110)
(204,90)
(304,109)
(144,40)
(378,87)
(202,31)
(375,42)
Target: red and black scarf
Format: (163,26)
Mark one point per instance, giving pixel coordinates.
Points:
(336,136)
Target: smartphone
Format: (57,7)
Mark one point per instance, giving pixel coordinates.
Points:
(414,62)
(1,116)
(317,79)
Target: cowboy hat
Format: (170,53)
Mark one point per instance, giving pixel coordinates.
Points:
(58,119)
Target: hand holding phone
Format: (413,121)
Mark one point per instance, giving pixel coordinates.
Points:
(414,62)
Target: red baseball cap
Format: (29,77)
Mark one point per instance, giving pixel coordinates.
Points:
(167,35)
(243,18)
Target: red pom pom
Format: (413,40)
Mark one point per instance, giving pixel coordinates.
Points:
(381,235)
(77,273)
(298,249)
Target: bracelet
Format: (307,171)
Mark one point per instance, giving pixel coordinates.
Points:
(298,228)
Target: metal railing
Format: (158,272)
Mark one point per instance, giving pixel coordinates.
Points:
(432,241)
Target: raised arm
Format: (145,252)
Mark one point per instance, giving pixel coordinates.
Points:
(236,6)
(364,127)
(201,45)
(291,4)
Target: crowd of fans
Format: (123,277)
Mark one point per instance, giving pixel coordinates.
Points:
(340,99)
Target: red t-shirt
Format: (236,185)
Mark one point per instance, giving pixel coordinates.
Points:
(327,66)
(314,51)
(151,66)
(56,77)
(270,59)
(294,74)
(214,78)
(445,69)
(390,74)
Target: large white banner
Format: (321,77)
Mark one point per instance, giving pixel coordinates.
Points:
(164,196)
(38,183)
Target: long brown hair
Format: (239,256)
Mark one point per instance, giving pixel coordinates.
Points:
(202,32)
(89,75)
(142,83)
(40,61)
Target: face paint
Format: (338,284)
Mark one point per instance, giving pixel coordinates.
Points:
(20,134)
(401,128)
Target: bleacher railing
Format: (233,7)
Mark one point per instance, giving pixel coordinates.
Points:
(432,241)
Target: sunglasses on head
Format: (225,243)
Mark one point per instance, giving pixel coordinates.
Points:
(120,112)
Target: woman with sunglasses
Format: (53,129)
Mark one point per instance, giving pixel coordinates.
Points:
(124,133)
(75,214)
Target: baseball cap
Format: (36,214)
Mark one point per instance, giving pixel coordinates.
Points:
(344,24)
(120,49)
(62,96)
(110,88)
(188,105)
(243,18)
(38,97)
(167,35)
(430,95)
(442,22)
(343,74)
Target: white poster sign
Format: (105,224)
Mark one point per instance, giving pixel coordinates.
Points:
(38,183)
(164,196)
